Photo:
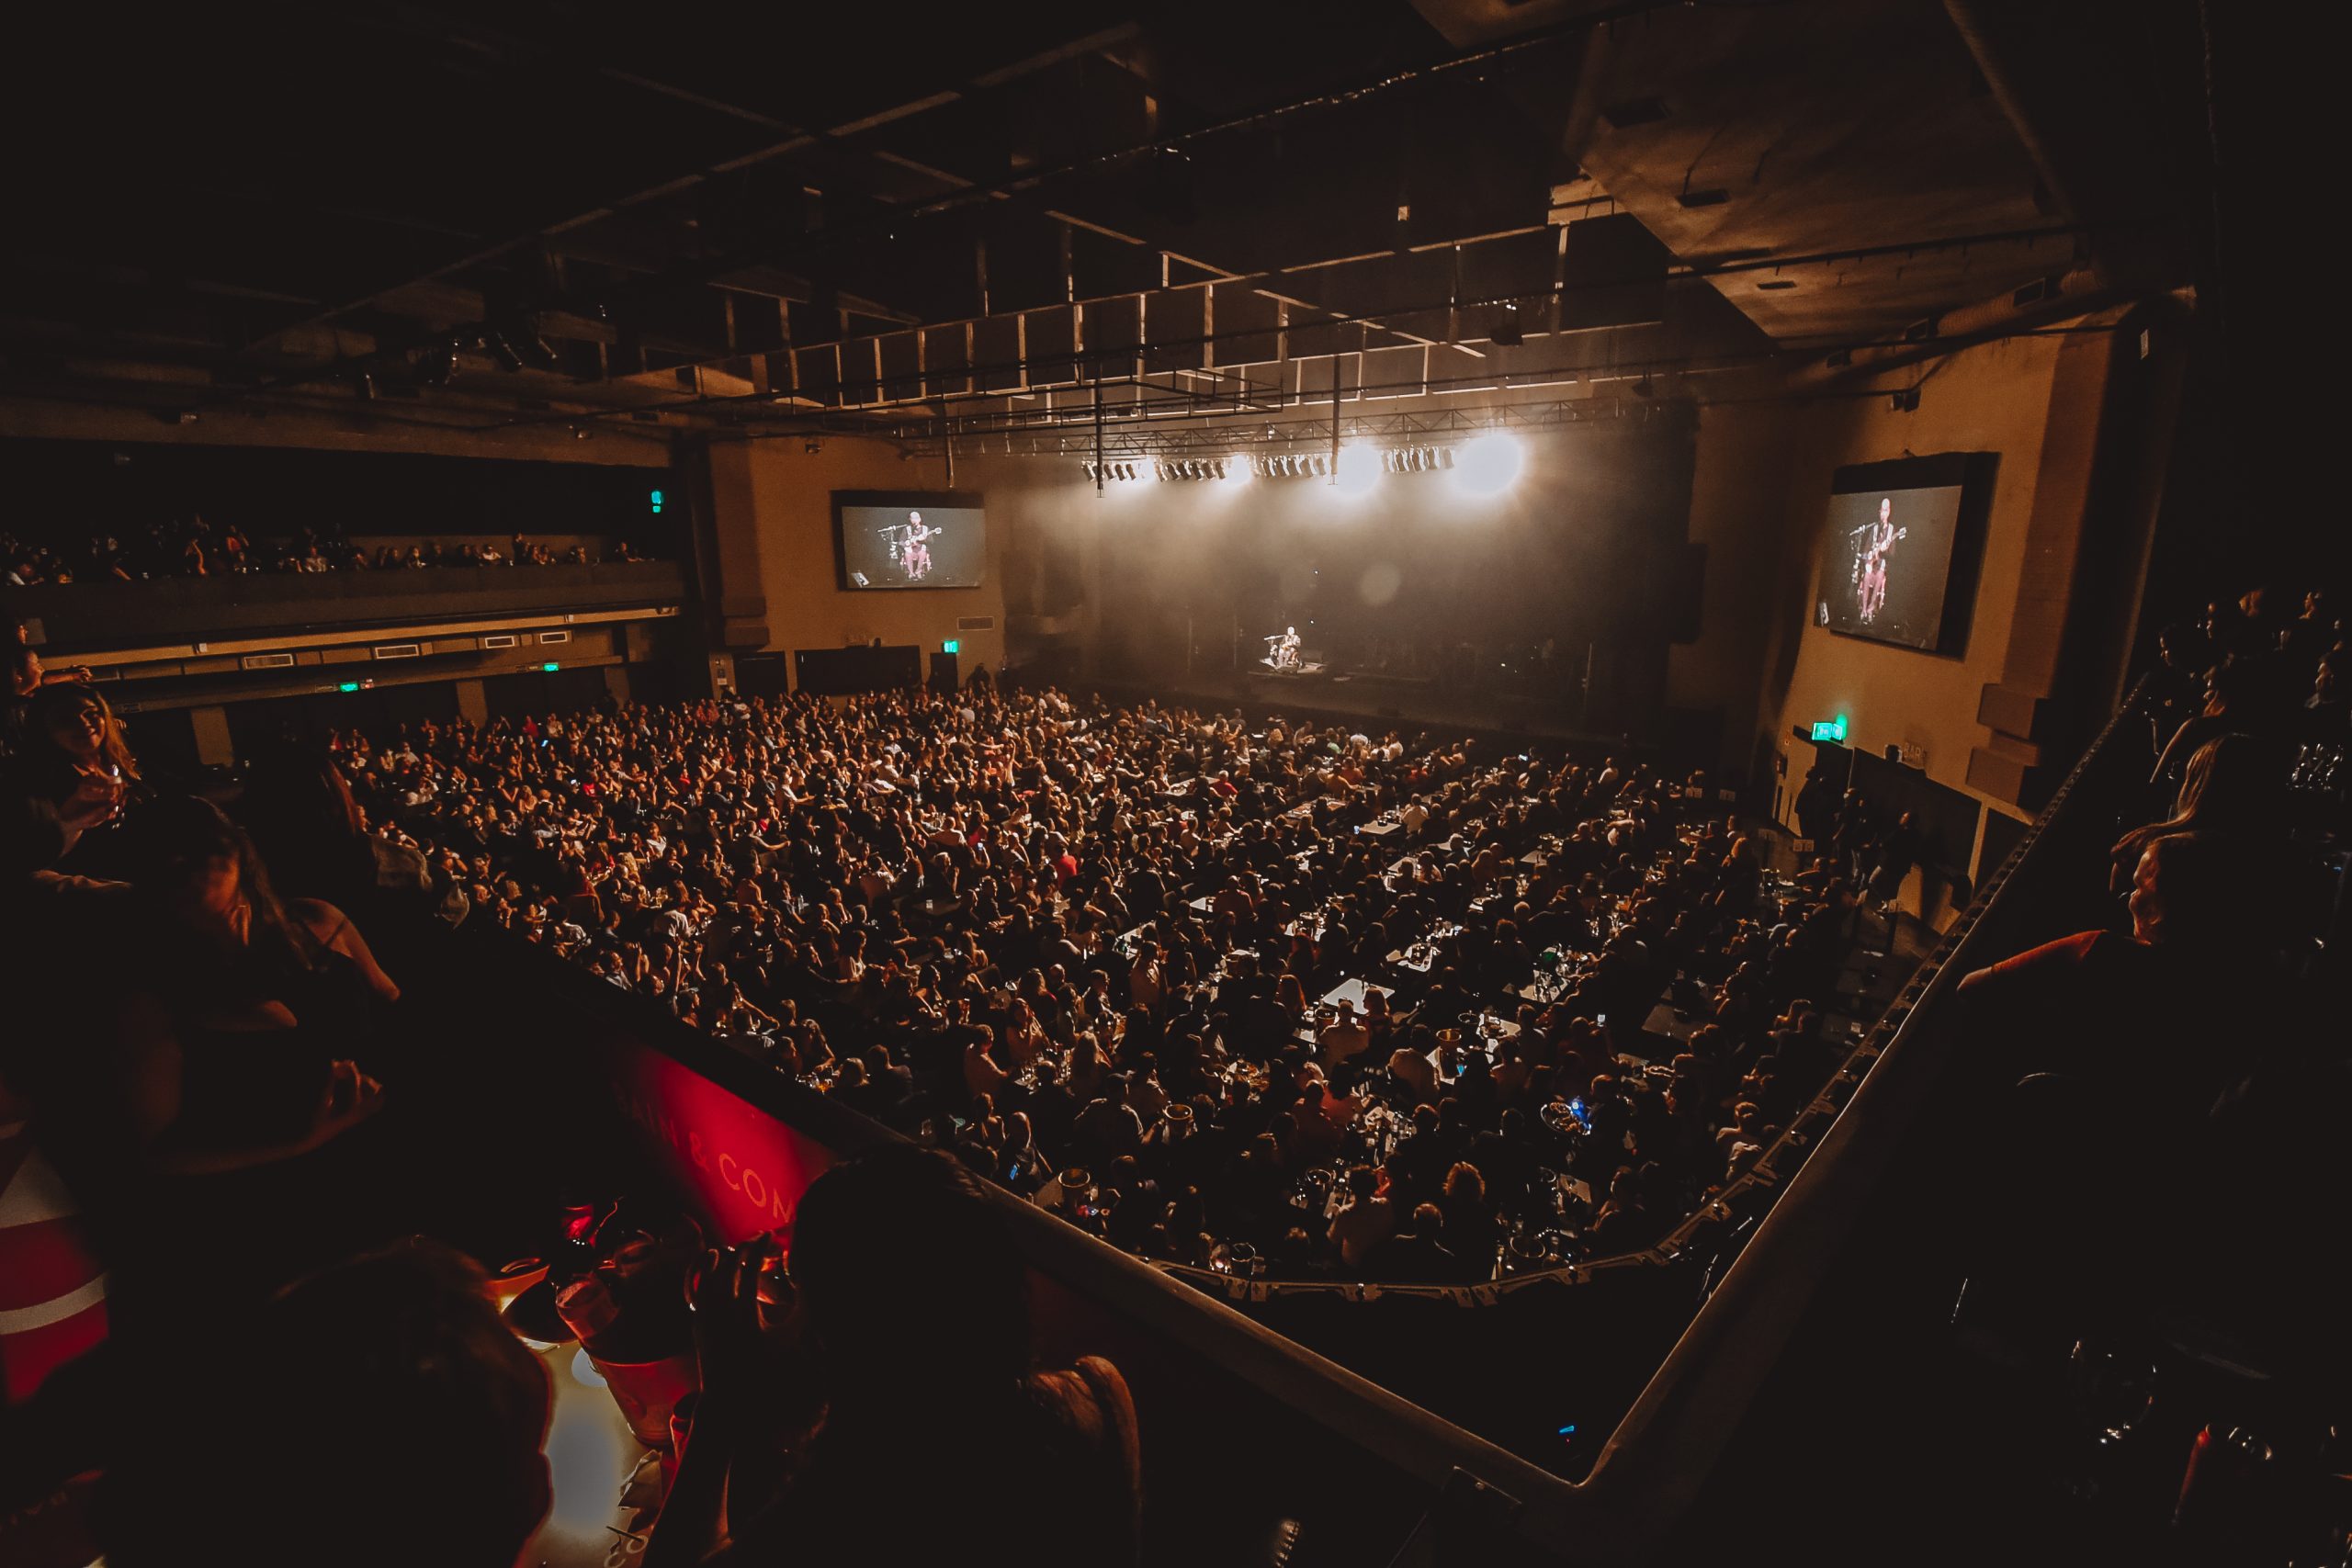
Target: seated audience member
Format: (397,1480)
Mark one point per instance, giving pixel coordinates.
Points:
(69,770)
(938,1437)
(2151,1019)
(2234,701)
(236,957)
(315,833)
(1418,1255)
(187,1026)
(374,1410)
(2230,785)
(1364,1223)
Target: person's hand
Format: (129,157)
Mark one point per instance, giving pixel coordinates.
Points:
(94,802)
(349,1098)
(724,1296)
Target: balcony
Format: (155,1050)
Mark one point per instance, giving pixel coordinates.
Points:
(98,616)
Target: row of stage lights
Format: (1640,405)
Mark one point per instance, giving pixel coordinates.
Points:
(1489,464)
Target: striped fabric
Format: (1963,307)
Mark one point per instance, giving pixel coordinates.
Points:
(52,1292)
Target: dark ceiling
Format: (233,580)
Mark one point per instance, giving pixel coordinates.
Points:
(553,211)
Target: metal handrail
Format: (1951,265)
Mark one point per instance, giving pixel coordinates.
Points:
(1662,1451)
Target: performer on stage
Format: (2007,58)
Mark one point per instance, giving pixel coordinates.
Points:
(1878,543)
(917,547)
(1282,652)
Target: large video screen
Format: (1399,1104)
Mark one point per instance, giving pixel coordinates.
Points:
(910,539)
(1899,554)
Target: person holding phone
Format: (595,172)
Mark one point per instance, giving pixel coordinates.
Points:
(71,773)
(908,1329)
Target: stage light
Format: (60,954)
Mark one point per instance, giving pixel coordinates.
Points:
(1491,464)
(1359,470)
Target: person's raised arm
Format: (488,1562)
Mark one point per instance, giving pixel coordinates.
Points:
(692,1528)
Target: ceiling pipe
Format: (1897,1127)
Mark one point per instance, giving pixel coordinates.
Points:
(2078,293)
(1975,30)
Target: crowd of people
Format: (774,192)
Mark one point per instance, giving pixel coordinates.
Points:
(1270,998)
(1280,999)
(2179,1036)
(190,546)
(193,1139)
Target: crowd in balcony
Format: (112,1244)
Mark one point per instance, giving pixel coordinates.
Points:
(191,547)
(2187,1033)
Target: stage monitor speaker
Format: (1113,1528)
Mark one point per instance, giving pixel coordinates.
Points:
(1613,273)
(943,676)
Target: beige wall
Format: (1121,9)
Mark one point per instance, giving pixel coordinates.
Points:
(1762,490)
(772,507)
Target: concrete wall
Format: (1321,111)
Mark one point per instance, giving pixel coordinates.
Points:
(355,428)
(1760,495)
(1738,510)
(772,511)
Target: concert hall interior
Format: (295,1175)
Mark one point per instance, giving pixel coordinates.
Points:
(1435,783)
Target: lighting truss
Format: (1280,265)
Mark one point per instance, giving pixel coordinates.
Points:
(1187,469)
(1435,430)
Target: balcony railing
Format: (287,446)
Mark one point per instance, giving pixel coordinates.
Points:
(112,614)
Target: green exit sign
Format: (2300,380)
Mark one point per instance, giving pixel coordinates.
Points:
(550,667)
(952,645)
(656,498)
(1830,729)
